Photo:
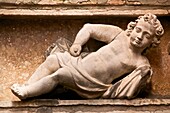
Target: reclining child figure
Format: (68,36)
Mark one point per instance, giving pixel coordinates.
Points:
(92,76)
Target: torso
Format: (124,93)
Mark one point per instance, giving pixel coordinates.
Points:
(111,61)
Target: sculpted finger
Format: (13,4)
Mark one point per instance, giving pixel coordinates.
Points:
(71,51)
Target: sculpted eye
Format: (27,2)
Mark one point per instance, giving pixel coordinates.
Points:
(138,29)
(147,36)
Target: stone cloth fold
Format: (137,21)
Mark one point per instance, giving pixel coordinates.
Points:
(131,85)
(85,85)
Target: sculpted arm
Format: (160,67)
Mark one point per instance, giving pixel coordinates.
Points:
(100,32)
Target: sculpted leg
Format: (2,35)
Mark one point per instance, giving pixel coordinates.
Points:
(42,86)
(49,66)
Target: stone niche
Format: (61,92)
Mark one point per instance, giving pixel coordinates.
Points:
(23,43)
(29,27)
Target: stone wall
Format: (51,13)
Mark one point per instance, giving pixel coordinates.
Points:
(23,41)
(95,2)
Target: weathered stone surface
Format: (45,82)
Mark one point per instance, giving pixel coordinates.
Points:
(44,110)
(23,43)
(20,1)
(87,106)
(51,2)
(84,11)
(8,1)
(116,2)
(103,2)
(55,2)
(27,1)
(148,2)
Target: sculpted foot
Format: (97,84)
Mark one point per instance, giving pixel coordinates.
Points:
(19,91)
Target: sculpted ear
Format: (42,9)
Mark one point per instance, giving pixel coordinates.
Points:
(155,42)
(131,25)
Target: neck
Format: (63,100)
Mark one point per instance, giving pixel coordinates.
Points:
(135,50)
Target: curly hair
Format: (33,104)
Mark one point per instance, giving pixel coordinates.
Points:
(152,20)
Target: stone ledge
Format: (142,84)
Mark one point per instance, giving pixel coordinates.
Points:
(98,2)
(88,106)
(83,11)
(99,102)
(65,2)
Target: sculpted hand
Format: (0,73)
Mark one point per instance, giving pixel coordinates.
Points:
(75,49)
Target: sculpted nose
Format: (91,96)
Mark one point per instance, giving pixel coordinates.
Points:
(140,36)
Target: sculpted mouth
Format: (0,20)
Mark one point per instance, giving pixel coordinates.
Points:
(138,41)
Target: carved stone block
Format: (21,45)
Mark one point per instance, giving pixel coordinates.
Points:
(148,2)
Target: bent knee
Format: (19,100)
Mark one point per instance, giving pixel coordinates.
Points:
(52,62)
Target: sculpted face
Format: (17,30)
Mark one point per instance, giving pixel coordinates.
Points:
(142,35)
